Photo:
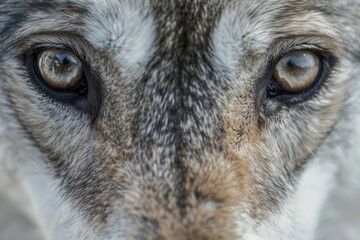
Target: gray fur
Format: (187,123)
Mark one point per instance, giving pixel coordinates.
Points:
(183,145)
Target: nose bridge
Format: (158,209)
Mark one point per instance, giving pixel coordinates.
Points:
(178,122)
(182,192)
(175,185)
(179,108)
(178,105)
(164,202)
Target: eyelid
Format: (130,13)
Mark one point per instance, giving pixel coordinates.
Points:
(36,49)
(321,45)
(66,41)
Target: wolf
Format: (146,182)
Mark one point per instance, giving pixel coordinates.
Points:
(179,119)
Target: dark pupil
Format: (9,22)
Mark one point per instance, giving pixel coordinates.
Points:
(290,63)
(64,59)
(297,65)
(299,62)
(64,63)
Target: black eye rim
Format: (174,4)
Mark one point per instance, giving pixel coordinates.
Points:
(273,90)
(85,100)
(267,105)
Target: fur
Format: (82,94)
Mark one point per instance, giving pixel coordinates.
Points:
(183,145)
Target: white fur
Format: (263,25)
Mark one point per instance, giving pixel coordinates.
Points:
(235,34)
(128,35)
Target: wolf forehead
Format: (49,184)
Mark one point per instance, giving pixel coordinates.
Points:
(177,25)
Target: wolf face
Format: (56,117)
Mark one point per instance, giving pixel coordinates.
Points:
(178,119)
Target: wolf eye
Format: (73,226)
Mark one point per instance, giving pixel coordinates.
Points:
(298,75)
(63,76)
(60,69)
(297,71)
(295,78)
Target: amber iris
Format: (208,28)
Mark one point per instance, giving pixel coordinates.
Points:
(60,69)
(297,71)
